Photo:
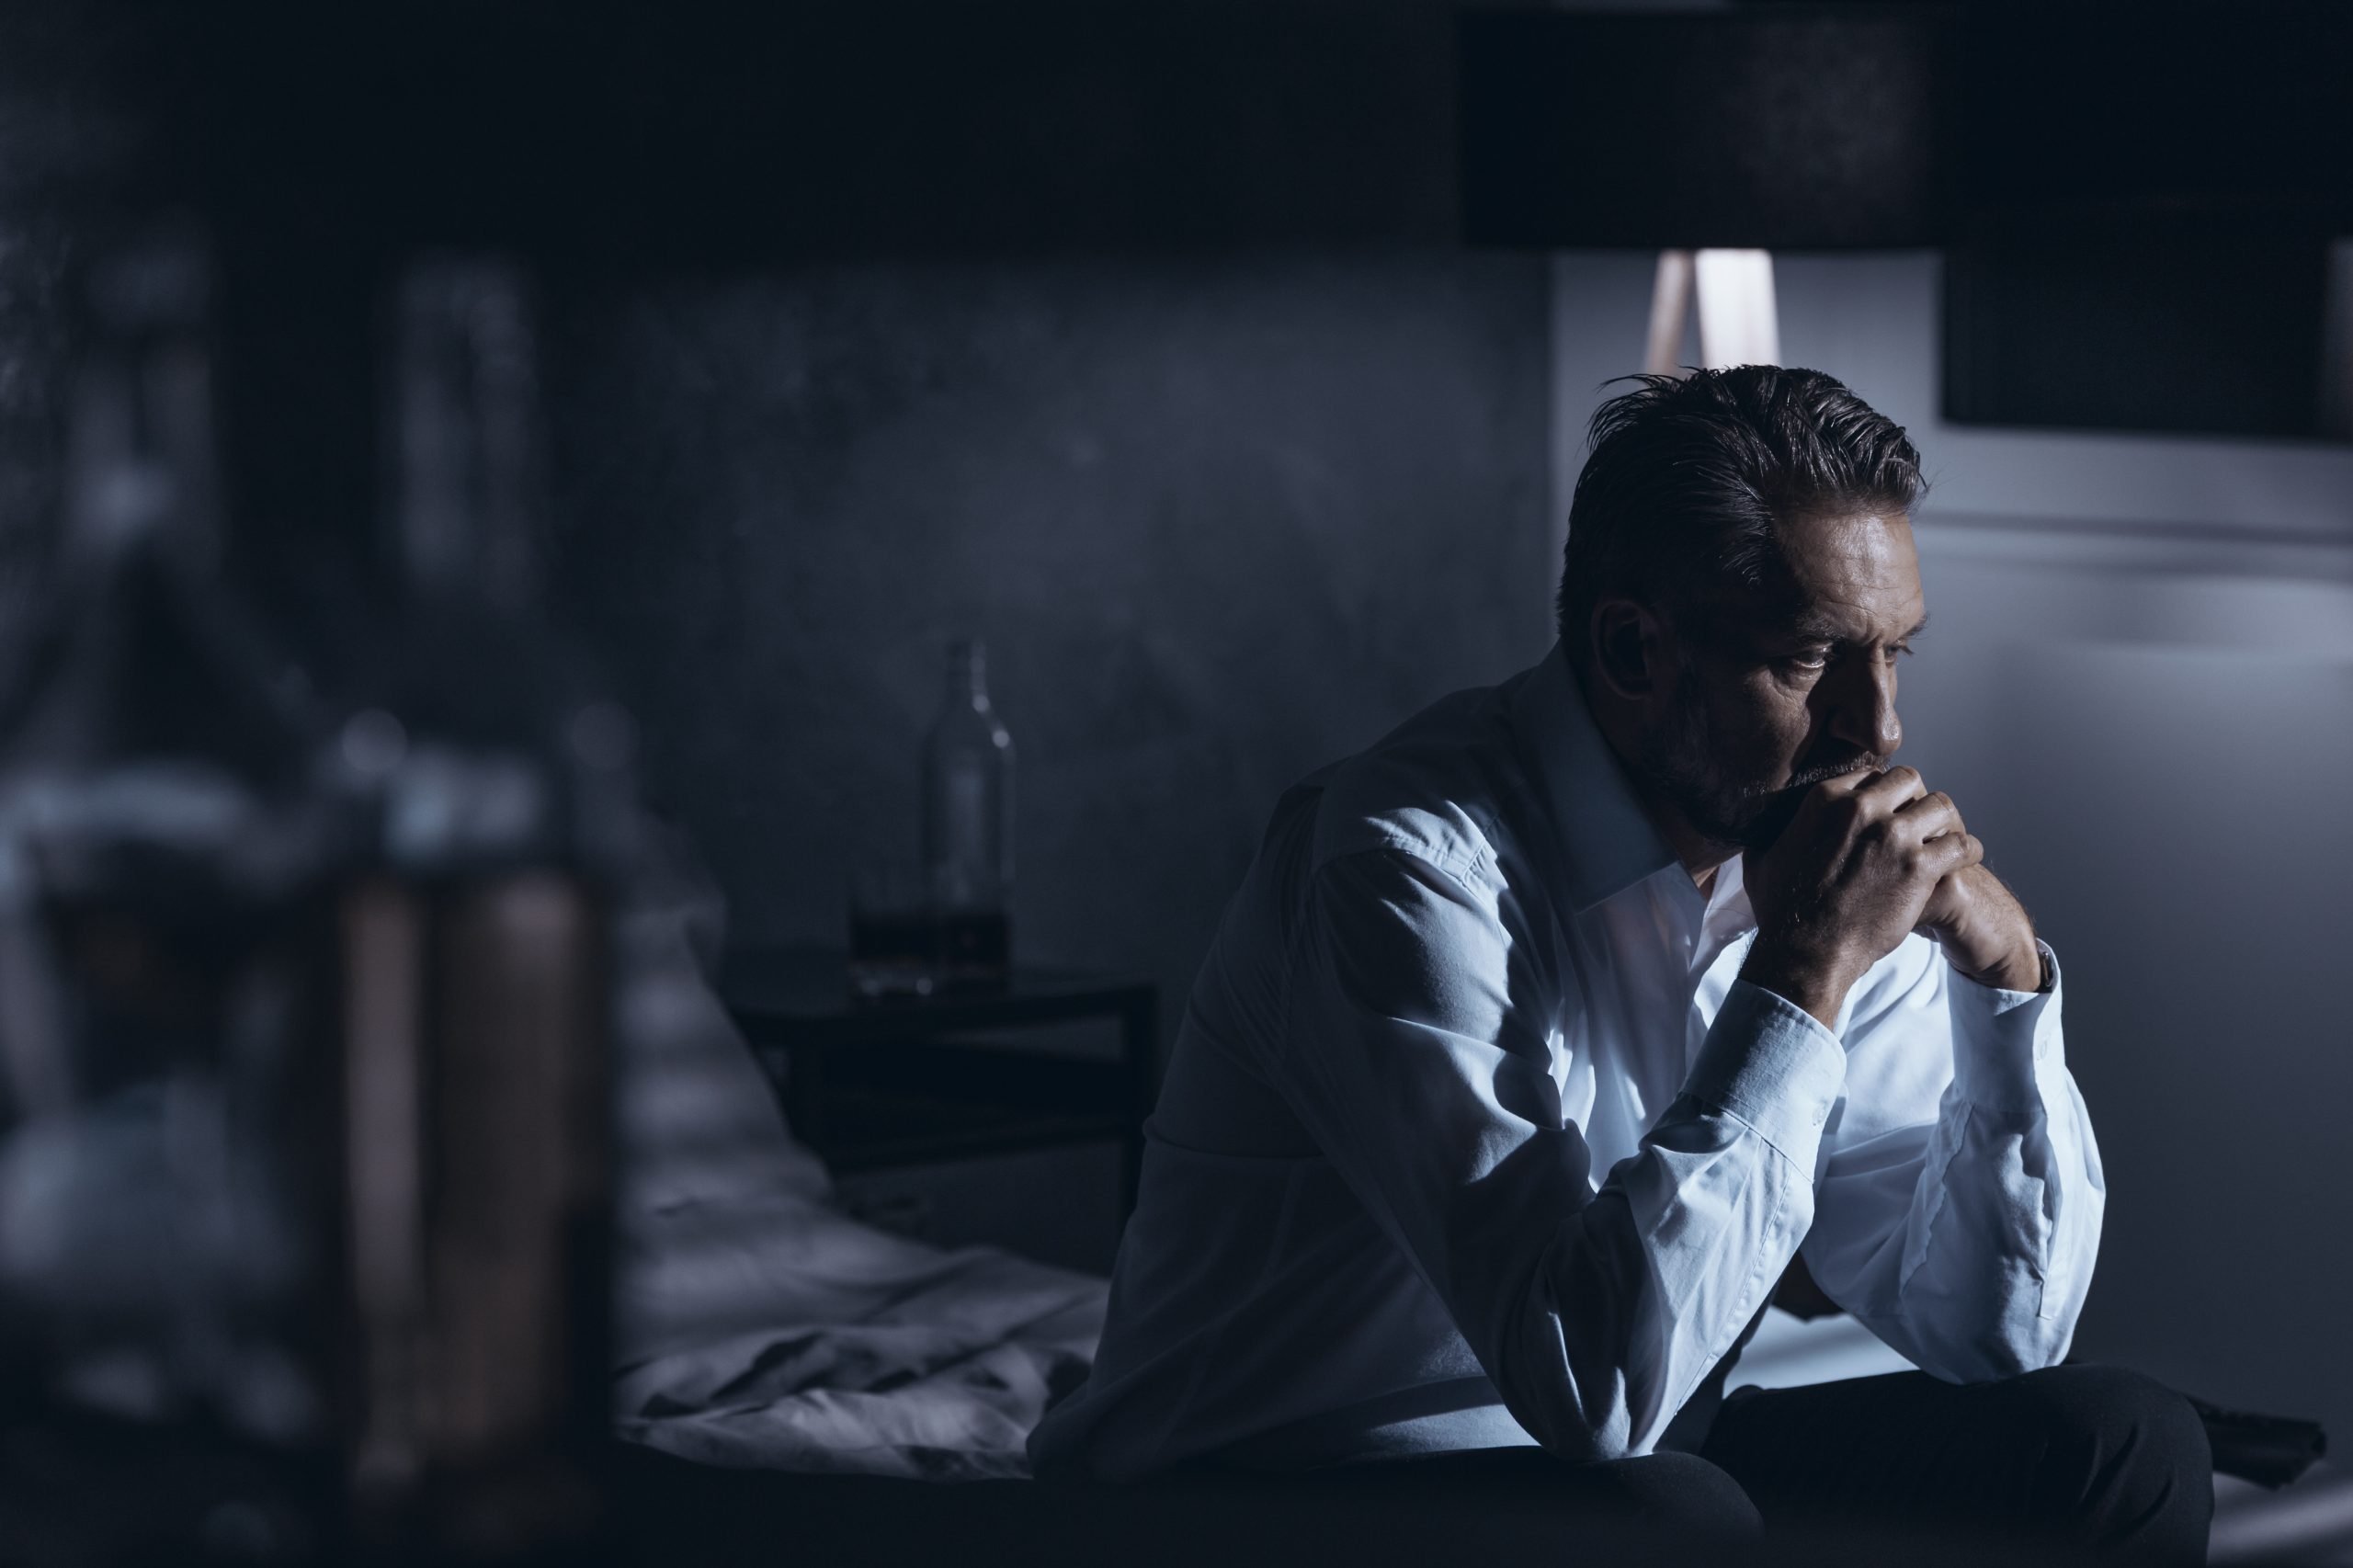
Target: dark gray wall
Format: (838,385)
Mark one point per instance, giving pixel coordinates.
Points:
(1221,518)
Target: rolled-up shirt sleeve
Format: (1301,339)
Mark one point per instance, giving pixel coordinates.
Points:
(1959,1216)
(1418,1052)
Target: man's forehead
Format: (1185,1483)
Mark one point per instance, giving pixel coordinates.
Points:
(1860,573)
(1849,578)
(1855,547)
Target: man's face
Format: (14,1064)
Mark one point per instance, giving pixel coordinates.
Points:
(1773,695)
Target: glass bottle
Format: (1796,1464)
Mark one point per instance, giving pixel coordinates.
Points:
(164,856)
(477,977)
(968,828)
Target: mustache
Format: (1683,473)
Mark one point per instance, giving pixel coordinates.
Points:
(1778,807)
(1813,776)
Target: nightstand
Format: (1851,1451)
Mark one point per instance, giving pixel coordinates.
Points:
(873,1084)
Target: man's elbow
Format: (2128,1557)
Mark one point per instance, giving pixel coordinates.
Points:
(2010,1346)
(1577,1443)
(1586,1397)
(1583,1426)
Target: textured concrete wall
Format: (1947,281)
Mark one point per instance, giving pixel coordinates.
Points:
(1220,519)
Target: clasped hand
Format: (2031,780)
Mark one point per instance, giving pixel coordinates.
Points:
(1869,858)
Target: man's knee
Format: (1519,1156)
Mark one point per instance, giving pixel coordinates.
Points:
(2114,1412)
(1681,1492)
(2123,1454)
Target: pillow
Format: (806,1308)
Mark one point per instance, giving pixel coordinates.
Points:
(696,1118)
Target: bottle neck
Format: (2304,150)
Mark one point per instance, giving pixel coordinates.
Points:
(968,680)
(140,458)
(467,515)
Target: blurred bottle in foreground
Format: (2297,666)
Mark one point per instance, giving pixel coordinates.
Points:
(968,828)
(304,1012)
(494,788)
(165,979)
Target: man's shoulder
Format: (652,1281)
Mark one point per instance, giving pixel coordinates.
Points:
(1443,787)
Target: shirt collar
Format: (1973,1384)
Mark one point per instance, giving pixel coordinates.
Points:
(1607,839)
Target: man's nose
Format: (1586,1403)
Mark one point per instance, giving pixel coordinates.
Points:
(1863,714)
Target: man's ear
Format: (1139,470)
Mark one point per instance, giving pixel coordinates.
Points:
(1629,649)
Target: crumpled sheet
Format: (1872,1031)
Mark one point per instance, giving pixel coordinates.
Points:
(758,1326)
(776,1333)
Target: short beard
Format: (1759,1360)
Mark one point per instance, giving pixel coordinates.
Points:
(1687,768)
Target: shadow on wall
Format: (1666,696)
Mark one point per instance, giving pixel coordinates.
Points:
(1221,521)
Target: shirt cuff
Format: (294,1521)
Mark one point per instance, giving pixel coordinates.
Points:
(1773,1065)
(2001,1039)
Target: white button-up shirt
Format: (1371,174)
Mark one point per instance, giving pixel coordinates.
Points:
(1473,1137)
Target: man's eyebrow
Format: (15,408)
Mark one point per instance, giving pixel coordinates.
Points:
(1819,626)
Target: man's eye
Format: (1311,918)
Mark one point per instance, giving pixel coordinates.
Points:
(1903,649)
(1811,659)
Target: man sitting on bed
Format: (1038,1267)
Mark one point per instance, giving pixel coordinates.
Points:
(1547,1035)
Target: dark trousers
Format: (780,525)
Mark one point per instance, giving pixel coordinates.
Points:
(2073,1465)
(2070,1464)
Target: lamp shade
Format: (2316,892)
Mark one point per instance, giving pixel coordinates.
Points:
(1796,127)
(1784,128)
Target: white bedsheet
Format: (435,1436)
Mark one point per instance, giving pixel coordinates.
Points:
(756,1324)
(773,1331)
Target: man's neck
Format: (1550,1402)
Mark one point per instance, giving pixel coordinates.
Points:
(1700,855)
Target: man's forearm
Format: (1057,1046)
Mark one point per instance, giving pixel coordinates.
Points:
(1814,986)
(2018,971)
(2002,1200)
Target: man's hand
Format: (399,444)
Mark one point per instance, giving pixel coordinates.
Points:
(1985,932)
(1858,869)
